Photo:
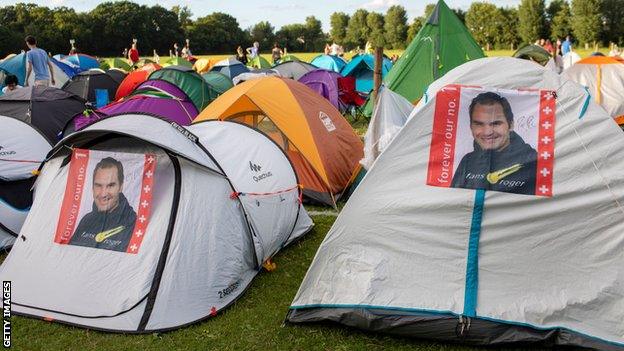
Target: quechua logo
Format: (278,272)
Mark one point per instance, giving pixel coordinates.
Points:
(256,168)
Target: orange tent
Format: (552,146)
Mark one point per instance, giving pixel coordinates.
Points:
(134,78)
(321,144)
(604,77)
(203,65)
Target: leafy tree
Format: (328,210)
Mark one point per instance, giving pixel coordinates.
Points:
(531,25)
(395,27)
(314,37)
(165,28)
(414,28)
(357,30)
(508,28)
(263,33)
(184,14)
(613,25)
(586,20)
(292,36)
(375,24)
(561,25)
(216,33)
(554,6)
(484,21)
(339,22)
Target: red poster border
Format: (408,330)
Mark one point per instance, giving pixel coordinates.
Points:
(442,148)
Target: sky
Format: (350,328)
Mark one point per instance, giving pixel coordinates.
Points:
(277,12)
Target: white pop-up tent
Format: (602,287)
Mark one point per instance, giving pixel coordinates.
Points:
(389,117)
(144,225)
(412,256)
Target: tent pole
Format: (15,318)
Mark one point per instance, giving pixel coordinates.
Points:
(377,78)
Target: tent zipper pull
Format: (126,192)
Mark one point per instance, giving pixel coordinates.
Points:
(463,326)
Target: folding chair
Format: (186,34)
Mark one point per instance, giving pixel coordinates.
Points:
(349,96)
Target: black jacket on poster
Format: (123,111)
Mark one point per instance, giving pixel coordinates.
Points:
(473,170)
(106,230)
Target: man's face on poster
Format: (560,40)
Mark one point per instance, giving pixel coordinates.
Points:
(106,189)
(489,127)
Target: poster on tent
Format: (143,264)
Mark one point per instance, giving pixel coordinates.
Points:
(493,139)
(107,200)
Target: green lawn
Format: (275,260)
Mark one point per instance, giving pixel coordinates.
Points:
(254,322)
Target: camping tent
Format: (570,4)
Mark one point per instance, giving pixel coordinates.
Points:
(329,62)
(118,63)
(82,61)
(154,97)
(258,62)
(325,83)
(190,82)
(134,78)
(85,84)
(218,81)
(117,74)
(414,257)
(391,113)
(293,69)
(534,53)
(288,58)
(203,65)
(231,67)
(32,119)
(177,61)
(361,68)
(442,44)
(255,74)
(318,140)
(570,59)
(200,219)
(16,65)
(604,78)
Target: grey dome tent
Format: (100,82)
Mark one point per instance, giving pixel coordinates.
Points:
(425,257)
(193,220)
(293,69)
(84,84)
(31,120)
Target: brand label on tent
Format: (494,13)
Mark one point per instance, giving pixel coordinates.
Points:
(190,136)
(493,139)
(327,122)
(107,200)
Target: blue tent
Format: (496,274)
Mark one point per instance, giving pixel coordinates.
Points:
(17,66)
(231,67)
(329,62)
(361,67)
(84,62)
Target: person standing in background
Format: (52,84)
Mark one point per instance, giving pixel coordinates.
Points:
(133,54)
(38,61)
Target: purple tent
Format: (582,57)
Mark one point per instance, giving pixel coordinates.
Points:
(325,83)
(155,97)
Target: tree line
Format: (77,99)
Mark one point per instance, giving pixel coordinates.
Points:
(111,26)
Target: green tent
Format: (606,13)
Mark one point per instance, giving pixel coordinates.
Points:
(289,57)
(442,44)
(534,53)
(218,81)
(189,81)
(177,61)
(118,63)
(259,62)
